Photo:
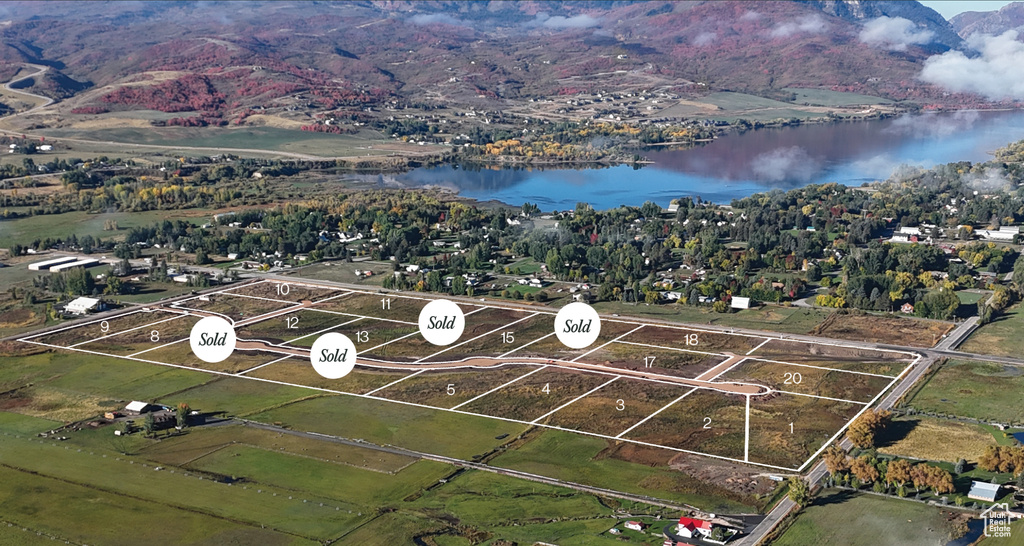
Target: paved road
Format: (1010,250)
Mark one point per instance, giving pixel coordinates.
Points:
(959,334)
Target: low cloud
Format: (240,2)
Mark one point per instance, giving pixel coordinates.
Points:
(705,38)
(791,164)
(894,33)
(933,125)
(990,179)
(995,73)
(434,18)
(808,24)
(558,22)
(750,16)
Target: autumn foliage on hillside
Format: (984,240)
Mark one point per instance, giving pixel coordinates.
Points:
(188,93)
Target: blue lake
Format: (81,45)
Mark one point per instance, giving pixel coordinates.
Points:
(738,165)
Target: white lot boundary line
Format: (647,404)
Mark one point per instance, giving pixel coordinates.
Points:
(97,321)
(284,343)
(650,346)
(270,315)
(396,382)
(336,296)
(254,368)
(727,370)
(389,342)
(258,298)
(663,408)
(603,345)
(817,367)
(499,387)
(525,345)
(759,345)
(781,337)
(746,434)
(175,317)
(360,316)
(485,334)
(367,396)
(574,400)
(231,289)
(854,418)
(159,347)
(201,313)
(821,397)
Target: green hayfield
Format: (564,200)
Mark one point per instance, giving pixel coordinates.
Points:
(86,515)
(571,457)
(827,97)
(236,396)
(789,320)
(380,422)
(343,483)
(1004,336)
(25,230)
(175,490)
(855,520)
(973,389)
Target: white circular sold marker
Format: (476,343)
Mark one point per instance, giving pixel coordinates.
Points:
(333,355)
(577,325)
(212,339)
(442,322)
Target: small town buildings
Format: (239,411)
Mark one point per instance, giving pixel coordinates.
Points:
(693,528)
(739,303)
(138,408)
(84,306)
(47,264)
(84,262)
(907,309)
(984,491)
(634,525)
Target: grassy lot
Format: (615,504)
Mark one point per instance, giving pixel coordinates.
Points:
(973,389)
(25,230)
(827,97)
(1004,336)
(84,514)
(915,437)
(235,396)
(790,320)
(969,298)
(102,470)
(574,457)
(381,422)
(842,517)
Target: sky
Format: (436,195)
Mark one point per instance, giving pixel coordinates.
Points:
(949,8)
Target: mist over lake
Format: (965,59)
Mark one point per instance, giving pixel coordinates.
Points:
(740,165)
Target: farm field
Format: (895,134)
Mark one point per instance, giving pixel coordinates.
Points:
(650,385)
(1004,336)
(967,388)
(915,437)
(842,517)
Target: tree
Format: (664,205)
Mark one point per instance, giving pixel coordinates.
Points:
(864,469)
(181,414)
(835,459)
(863,429)
(959,468)
(898,472)
(799,492)
(149,424)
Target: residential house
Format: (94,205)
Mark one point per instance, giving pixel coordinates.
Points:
(84,306)
(693,528)
(984,491)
